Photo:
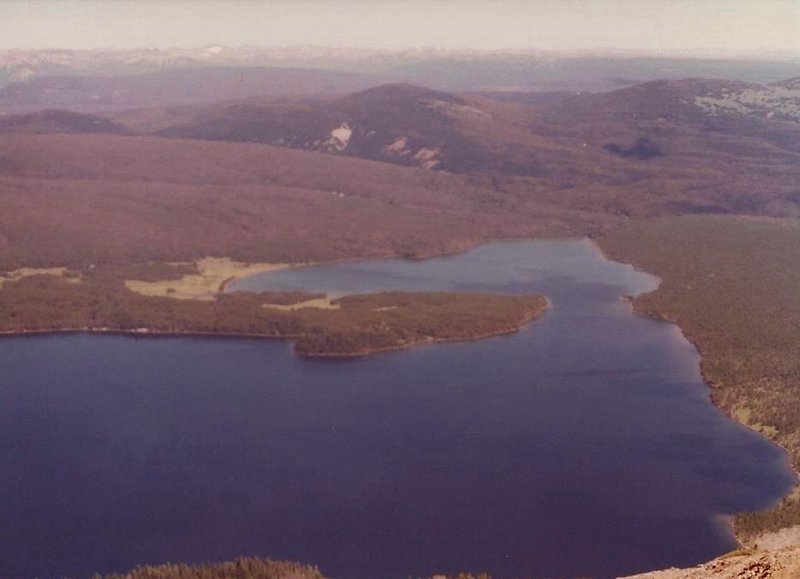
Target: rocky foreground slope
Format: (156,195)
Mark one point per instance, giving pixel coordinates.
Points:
(774,556)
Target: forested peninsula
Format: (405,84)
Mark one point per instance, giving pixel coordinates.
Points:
(100,299)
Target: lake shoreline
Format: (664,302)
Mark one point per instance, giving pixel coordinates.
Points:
(143,332)
(149,332)
(660,311)
(730,521)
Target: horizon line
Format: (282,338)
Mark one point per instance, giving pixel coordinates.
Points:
(694,52)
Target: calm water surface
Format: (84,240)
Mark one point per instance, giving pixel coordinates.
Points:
(585,444)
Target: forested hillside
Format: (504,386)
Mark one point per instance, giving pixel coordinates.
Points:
(74,200)
(732,285)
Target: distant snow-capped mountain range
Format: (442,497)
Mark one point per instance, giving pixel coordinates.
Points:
(438,68)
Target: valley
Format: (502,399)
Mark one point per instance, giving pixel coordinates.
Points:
(146,203)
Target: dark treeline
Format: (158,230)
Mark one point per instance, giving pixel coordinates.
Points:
(245,568)
(732,285)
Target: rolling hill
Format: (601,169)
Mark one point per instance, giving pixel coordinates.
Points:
(59,121)
(643,150)
(402,124)
(437,170)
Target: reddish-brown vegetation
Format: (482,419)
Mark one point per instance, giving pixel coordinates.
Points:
(81,199)
(640,151)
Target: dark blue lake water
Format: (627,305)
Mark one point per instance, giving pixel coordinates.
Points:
(585,444)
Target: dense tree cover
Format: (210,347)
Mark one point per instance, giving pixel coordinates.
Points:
(389,320)
(733,286)
(360,325)
(245,568)
(81,200)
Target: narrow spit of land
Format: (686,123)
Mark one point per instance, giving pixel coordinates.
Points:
(186,299)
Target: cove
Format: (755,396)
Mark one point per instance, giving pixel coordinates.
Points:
(583,445)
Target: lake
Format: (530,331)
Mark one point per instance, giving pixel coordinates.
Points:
(584,444)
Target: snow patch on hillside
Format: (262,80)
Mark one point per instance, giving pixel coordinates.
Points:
(781,101)
(397,148)
(427,157)
(340,137)
(455,109)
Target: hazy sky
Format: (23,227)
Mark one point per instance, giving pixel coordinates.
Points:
(740,25)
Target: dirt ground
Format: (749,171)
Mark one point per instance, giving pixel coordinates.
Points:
(773,556)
